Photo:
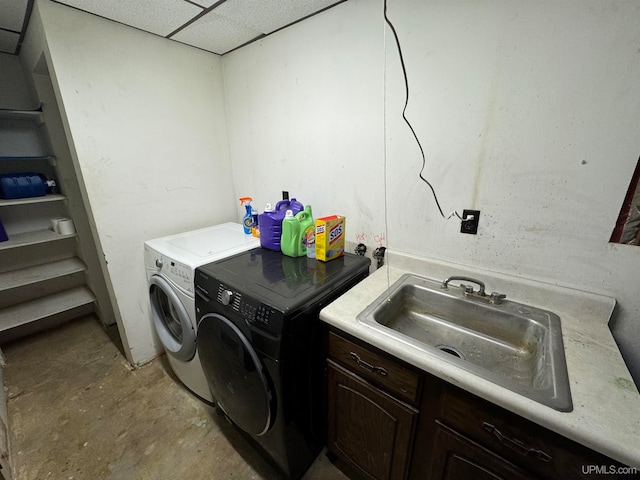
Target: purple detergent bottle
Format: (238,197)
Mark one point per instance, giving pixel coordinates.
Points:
(270,222)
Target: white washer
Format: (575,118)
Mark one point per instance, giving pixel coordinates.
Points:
(171,262)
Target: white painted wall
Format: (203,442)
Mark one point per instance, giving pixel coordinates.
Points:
(146,122)
(527,112)
(305,112)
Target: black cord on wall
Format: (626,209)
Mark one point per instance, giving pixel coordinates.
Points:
(404,116)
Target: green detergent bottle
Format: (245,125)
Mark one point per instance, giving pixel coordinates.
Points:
(290,243)
(294,230)
(307,230)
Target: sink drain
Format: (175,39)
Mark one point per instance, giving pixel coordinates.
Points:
(451,351)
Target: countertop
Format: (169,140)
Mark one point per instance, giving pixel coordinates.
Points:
(606,402)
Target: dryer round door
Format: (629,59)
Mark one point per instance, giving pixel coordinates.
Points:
(237,377)
(171,320)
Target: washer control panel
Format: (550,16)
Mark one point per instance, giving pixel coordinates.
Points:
(180,274)
(252,311)
(177,272)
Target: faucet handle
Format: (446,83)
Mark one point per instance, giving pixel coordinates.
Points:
(496,298)
(468,289)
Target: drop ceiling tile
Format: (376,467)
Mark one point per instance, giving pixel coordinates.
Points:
(12,14)
(8,42)
(204,3)
(216,34)
(156,16)
(267,16)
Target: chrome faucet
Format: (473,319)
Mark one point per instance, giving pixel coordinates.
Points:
(495,298)
(481,292)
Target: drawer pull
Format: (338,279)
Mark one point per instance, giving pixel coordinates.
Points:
(367,366)
(516,445)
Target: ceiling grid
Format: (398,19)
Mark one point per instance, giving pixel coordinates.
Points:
(217,26)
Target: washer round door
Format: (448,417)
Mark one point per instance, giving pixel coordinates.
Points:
(171,320)
(237,378)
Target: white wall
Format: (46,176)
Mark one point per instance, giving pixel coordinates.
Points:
(146,122)
(305,115)
(527,112)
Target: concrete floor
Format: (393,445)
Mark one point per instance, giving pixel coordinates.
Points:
(78,411)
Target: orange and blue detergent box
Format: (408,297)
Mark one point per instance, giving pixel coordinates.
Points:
(330,233)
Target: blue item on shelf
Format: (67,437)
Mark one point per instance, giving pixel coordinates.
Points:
(24,185)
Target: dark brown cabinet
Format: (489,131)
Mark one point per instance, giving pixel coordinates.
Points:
(388,420)
(369,428)
(371,421)
(534,449)
(455,457)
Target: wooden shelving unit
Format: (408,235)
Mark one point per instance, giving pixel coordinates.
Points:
(42,281)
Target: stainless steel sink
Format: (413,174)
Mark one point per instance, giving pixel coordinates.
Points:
(513,345)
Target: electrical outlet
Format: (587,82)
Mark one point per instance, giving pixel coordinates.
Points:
(469,222)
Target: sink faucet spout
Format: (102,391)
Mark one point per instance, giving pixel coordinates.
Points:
(481,292)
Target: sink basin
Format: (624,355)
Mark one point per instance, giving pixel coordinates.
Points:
(516,346)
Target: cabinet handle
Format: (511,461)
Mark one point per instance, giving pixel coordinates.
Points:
(367,366)
(516,445)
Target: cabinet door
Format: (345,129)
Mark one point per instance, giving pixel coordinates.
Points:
(368,428)
(456,457)
(531,446)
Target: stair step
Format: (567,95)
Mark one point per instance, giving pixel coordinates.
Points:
(42,308)
(40,273)
(32,238)
(28,250)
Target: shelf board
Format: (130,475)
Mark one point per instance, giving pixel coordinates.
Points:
(31,200)
(49,158)
(44,307)
(32,238)
(35,114)
(40,273)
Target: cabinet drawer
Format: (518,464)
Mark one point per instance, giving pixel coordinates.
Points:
(520,441)
(398,379)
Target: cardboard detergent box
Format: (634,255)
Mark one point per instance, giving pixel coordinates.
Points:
(330,233)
